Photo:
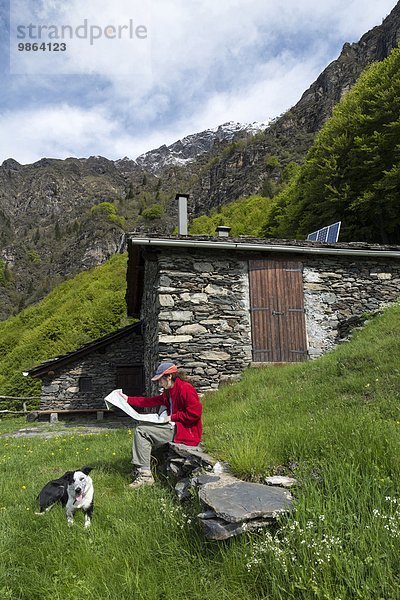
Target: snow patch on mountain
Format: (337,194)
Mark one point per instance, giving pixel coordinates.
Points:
(190,147)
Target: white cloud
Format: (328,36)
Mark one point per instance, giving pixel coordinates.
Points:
(277,86)
(56,132)
(97,37)
(210,62)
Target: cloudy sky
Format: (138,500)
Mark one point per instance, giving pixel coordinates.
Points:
(135,74)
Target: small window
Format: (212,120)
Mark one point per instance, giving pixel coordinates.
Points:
(130,379)
(85,384)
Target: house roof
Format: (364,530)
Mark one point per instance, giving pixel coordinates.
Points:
(60,361)
(356,249)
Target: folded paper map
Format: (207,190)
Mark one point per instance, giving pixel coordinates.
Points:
(119,399)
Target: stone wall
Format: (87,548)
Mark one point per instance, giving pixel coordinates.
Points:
(338,291)
(61,391)
(196,307)
(203,315)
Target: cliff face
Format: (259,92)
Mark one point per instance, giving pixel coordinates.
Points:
(54,189)
(243,171)
(316,104)
(48,231)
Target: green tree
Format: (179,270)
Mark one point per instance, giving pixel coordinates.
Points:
(79,310)
(129,193)
(5,275)
(352,172)
(108,210)
(153,212)
(245,216)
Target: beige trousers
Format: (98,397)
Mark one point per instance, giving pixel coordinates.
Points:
(147,436)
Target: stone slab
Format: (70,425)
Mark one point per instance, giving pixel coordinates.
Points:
(243,501)
(195,452)
(205,478)
(281,481)
(218,529)
(182,489)
(175,339)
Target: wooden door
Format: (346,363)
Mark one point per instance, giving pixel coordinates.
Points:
(277,311)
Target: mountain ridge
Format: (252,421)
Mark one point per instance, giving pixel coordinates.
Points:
(193,145)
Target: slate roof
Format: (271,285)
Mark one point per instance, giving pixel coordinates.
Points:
(361,249)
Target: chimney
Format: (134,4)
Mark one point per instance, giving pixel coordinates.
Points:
(223,230)
(182,213)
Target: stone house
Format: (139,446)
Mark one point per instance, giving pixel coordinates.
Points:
(216,305)
(82,378)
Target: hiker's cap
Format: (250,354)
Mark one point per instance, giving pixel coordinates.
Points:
(164,369)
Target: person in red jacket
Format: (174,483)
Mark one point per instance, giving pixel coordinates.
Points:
(183,424)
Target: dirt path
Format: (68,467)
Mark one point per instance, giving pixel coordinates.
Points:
(47,430)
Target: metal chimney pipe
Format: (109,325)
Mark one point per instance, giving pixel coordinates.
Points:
(182,213)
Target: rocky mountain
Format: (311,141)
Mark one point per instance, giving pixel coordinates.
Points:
(192,146)
(49,229)
(58,217)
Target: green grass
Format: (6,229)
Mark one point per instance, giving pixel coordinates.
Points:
(333,423)
(141,544)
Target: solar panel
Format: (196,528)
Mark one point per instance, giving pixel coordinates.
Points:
(326,234)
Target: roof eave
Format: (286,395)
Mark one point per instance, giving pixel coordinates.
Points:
(56,363)
(279,248)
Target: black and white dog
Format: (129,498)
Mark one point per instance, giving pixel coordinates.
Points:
(74,490)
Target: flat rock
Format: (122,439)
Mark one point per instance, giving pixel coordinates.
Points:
(203,479)
(241,501)
(218,529)
(195,452)
(281,480)
(182,489)
(208,514)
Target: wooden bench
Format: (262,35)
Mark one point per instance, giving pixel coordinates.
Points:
(54,413)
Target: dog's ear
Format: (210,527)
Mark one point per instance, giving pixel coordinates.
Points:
(86,470)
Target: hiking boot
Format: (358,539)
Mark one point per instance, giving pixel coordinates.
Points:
(144,477)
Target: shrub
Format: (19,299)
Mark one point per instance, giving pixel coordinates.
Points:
(153,212)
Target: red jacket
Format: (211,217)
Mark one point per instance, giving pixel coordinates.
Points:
(186,410)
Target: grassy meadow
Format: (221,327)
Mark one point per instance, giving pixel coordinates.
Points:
(333,423)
